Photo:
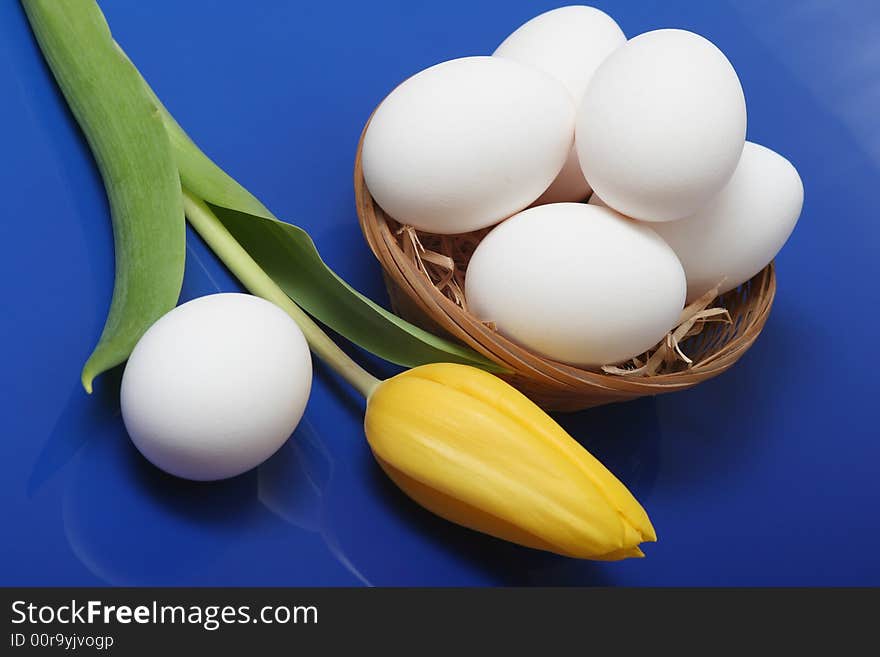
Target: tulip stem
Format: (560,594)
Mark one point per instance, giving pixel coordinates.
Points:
(258,282)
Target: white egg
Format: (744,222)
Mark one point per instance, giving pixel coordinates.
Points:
(467,143)
(576,283)
(216,386)
(661,126)
(568,43)
(743,228)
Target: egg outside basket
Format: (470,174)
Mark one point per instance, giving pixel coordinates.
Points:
(420,291)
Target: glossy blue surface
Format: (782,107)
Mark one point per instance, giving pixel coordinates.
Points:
(766,475)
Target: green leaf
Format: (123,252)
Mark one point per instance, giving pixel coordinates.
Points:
(288,255)
(126,134)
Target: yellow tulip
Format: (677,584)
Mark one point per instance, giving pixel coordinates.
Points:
(472,449)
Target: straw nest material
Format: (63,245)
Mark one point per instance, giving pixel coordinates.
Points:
(424,274)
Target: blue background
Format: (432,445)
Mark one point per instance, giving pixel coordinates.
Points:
(766,475)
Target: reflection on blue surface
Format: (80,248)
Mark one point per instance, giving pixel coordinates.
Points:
(765,475)
(293,483)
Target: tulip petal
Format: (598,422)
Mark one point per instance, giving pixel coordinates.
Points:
(472,449)
(509,400)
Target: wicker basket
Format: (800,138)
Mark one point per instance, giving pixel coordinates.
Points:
(552,385)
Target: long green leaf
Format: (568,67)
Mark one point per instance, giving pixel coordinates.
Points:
(289,256)
(131,146)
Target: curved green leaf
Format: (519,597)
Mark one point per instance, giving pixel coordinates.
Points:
(127,136)
(288,255)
